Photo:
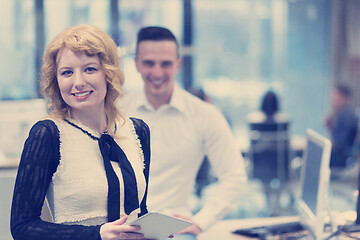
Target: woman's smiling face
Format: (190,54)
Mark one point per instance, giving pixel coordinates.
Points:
(81,80)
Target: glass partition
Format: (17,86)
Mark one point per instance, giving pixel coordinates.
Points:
(241,48)
(244,48)
(64,13)
(17,50)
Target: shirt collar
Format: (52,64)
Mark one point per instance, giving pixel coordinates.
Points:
(175,101)
(142,102)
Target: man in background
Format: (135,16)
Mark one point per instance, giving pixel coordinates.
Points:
(342,125)
(183,130)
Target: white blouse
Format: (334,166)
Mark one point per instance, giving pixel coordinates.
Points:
(78,190)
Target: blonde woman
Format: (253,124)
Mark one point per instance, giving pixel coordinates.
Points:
(88,160)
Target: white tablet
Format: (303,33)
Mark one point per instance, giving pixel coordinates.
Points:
(156,225)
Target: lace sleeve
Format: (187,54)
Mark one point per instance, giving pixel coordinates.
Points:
(39,160)
(143,132)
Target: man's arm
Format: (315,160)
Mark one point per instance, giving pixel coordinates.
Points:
(228,165)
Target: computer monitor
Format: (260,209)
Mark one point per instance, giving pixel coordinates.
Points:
(314,183)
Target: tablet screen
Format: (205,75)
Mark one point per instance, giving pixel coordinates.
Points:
(158,226)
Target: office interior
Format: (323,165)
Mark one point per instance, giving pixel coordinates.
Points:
(233,50)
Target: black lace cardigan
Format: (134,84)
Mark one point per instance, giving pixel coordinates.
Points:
(39,161)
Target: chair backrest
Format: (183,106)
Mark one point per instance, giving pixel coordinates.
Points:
(270,151)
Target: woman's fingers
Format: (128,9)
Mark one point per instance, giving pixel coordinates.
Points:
(126,228)
(119,230)
(130,235)
(121,221)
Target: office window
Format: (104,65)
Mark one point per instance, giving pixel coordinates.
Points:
(243,48)
(240,49)
(64,13)
(17,49)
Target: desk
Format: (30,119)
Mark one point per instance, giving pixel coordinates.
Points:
(9,163)
(222,230)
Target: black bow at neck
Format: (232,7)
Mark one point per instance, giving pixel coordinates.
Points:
(111,151)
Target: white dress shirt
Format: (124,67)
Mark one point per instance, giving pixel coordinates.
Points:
(181,134)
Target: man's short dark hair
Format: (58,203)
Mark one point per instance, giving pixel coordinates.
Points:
(155,33)
(344,90)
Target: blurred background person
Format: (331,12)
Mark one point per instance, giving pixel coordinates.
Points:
(184,129)
(269,110)
(342,124)
(270,148)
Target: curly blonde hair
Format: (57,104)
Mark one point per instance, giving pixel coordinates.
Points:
(93,41)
